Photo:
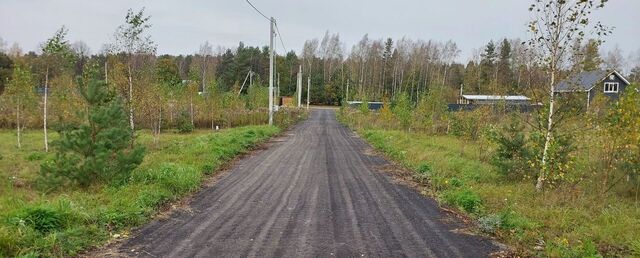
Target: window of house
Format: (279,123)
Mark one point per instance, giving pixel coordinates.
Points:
(611,87)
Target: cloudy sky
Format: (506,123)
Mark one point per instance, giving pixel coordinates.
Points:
(179,27)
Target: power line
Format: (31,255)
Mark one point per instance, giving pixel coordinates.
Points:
(258,11)
(280,37)
(269,19)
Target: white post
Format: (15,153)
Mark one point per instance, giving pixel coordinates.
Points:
(299,89)
(271,34)
(308,89)
(347,97)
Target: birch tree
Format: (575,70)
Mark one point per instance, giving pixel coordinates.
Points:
(206,51)
(132,40)
(55,49)
(555,25)
(21,95)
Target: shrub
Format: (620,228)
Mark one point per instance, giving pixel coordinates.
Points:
(455,182)
(423,172)
(402,110)
(100,148)
(364,107)
(36,156)
(490,223)
(184,123)
(424,168)
(560,157)
(43,220)
(465,199)
(430,110)
(512,153)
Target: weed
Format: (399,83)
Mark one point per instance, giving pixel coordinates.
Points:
(465,199)
(490,223)
(43,220)
(36,156)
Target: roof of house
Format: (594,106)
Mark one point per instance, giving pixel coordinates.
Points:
(584,81)
(495,97)
(360,102)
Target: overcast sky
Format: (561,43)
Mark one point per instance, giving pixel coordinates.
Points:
(179,27)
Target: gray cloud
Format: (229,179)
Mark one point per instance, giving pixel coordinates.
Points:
(181,26)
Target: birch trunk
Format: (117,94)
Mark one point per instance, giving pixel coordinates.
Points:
(191,108)
(548,135)
(106,71)
(131,99)
(18,123)
(46,93)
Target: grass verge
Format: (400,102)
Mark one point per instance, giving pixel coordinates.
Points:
(564,222)
(34,224)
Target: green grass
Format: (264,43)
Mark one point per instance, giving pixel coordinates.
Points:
(571,221)
(64,223)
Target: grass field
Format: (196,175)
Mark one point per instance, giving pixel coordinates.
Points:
(33,223)
(564,222)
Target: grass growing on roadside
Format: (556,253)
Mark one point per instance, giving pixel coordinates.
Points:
(66,222)
(564,222)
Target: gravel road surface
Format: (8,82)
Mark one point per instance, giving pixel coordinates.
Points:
(316,191)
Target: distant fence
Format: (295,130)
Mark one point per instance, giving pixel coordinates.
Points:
(372,105)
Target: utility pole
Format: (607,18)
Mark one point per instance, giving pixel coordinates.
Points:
(299,89)
(347,97)
(278,92)
(308,89)
(271,35)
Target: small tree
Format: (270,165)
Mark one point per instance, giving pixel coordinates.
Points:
(556,26)
(99,148)
(55,50)
(21,95)
(512,152)
(430,110)
(402,110)
(131,39)
(622,127)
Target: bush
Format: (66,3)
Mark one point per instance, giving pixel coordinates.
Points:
(36,156)
(402,110)
(184,123)
(490,223)
(465,199)
(423,172)
(43,220)
(99,149)
(512,154)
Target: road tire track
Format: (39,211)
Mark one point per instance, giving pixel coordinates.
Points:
(315,192)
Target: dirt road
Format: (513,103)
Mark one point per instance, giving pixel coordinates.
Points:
(315,192)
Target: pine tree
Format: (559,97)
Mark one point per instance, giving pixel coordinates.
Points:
(100,148)
(591,60)
(487,64)
(504,73)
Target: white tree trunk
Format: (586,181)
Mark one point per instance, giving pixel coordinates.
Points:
(191,108)
(548,135)
(131,100)
(18,123)
(46,93)
(106,71)
(444,78)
